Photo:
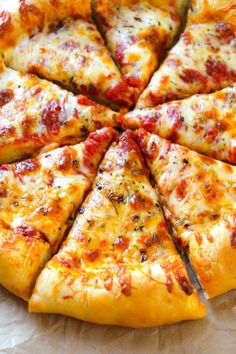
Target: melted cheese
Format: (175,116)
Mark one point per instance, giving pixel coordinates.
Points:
(199,197)
(118,254)
(35,113)
(202,61)
(137,32)
(38,200)
(204,123)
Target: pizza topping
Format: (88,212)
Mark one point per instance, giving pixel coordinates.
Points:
(50,117)
(169,282)
(184,283)
(233,239)
(3,192)
(6,96)
(187,37)
(91,255)
(26,12)
(25,167)
(225,32)
(108,280)
(85,101)
(122,243)
(30,231)
(5,22)
(65,161)
(191,76)
(124,279)
(181,189)
(218,71)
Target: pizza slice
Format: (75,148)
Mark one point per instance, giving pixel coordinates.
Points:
(65,49)
(38,198)
(199,198)
(203,60)
(138,33)
(119,265)
(36,114)
(204,122)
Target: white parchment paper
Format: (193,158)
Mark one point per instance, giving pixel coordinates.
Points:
(25,333)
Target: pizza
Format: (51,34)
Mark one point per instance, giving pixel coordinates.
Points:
(37,114)
(113,272)
(137,33)
(119,227)
(203,122)
(199,198)
(64,46)
(38,198)
(203,60)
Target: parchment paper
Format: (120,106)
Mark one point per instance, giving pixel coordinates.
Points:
(25,333)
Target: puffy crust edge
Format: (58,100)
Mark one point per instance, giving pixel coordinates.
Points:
(59,290)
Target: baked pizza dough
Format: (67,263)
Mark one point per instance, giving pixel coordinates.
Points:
(36,114)
(38,198)
(63,46)
(119,264)
(204,122)
(203,60)
(199,198)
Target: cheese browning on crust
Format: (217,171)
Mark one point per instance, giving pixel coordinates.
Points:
(199,197)
(35,113)
(202,61)
(205,123)
(137,33)
(119,265)
(70,51)
(38,198)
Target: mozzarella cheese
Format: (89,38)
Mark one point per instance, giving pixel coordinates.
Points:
(205,122)
(202,61)
(38,200)
(35,113)
(137,32)
(199,198)
(119,260)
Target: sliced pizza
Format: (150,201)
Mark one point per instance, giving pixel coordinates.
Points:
(204,58)
(38,198)
(204,122)
(36,114)
(65,49)
(119,264)
(138,33)
(199,198)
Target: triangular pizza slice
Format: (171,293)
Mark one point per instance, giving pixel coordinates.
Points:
(119,264)
(203,60)
(58,41)
(204,122)
(38,198)
(138,33)
(36,114)
(199,198)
